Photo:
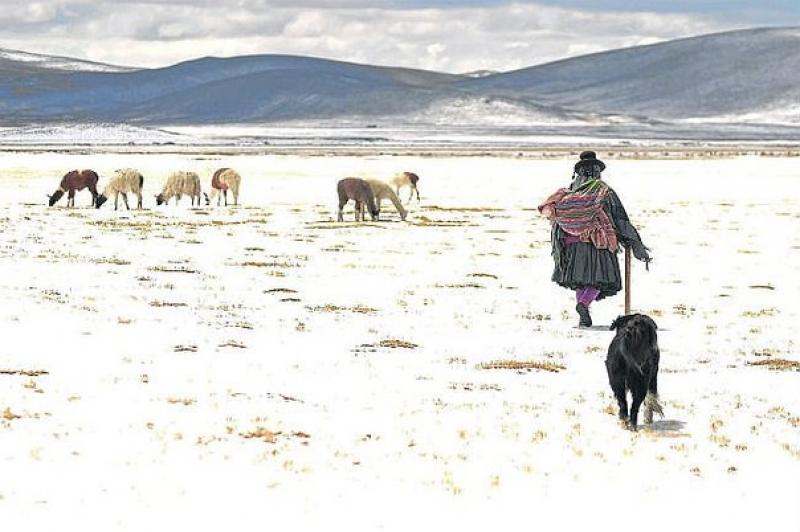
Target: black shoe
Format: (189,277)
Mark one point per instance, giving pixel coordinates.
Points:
(583,312)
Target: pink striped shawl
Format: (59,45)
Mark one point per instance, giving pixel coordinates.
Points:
(580,213)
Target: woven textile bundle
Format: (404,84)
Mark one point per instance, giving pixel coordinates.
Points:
(580,213)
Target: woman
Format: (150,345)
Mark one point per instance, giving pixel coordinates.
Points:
(588,224)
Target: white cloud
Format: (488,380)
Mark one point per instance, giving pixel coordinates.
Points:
(459,39)
(38,12)
(308,24)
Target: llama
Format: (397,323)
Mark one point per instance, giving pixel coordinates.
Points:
(224,179)
(179,184)
(124,181)
(381,191)
(74,181)
(406,179)
(351,188)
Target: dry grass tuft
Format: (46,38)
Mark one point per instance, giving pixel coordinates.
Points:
(262,434)
(358,309)
(270,264)
(397,344)
(760,313)
(523,364)
(185,401)
(777,364)
(172,269)
(185,349)
(24,372)
(233,343)
(167,304)
(342,225)
(487,275)
(110,260)
(683,310)
(385,344)
(8,415)
(536,316)
(720,439)
(424,221)
(463,209)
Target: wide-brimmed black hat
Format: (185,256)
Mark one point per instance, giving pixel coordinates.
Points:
(589,158)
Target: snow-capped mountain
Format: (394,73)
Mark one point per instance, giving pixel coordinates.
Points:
(748,76)
(751,74)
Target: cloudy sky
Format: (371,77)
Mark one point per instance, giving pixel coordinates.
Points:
(446,35)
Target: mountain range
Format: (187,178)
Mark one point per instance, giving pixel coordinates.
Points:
(747,76)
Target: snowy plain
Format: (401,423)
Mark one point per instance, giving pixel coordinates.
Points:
(261,365)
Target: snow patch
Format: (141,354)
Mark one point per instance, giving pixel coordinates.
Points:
(108,134)
(60,63)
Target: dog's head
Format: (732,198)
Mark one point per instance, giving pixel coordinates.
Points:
(622,321)
(637,328)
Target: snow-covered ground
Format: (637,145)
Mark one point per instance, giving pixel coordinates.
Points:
(215,368)
(104,134)
(509,131)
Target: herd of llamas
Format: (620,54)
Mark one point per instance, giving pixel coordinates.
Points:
(366,193)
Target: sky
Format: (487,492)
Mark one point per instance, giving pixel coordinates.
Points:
(445,35)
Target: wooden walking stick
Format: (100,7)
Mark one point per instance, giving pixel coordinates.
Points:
(627,280)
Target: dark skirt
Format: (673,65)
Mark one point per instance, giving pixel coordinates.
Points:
(582,265)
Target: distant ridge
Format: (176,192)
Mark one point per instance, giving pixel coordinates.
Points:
(745,76)
(742,73)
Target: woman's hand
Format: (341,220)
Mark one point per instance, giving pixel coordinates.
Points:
(641,253)
(549,212)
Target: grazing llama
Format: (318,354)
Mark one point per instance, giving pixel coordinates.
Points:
(406,179)
(384,191)
(124,181)
(179,184)
(351,188)
(74,181)
(222,180)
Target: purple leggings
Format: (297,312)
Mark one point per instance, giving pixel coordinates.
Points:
(586,295)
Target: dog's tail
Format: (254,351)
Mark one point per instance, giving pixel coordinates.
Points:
(651,405)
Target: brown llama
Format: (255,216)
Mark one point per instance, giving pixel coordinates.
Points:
(358,190)
(222,180)
(74,181)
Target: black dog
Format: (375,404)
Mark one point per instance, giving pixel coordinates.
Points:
(632,364)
